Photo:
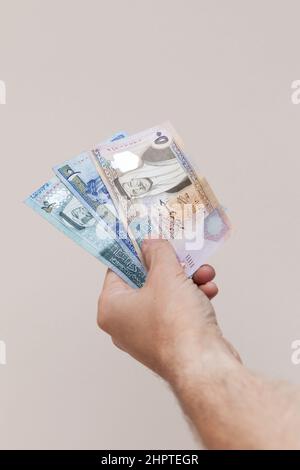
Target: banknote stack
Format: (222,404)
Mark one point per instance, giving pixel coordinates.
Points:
(111,198)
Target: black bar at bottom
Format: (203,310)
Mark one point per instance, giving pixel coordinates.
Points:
(140,458)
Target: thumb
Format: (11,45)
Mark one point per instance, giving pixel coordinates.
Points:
(114,284)
(160,256)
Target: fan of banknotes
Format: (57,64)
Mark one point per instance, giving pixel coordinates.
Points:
(111,198)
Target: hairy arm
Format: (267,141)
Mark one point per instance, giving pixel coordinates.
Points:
(170,326)
(232,408)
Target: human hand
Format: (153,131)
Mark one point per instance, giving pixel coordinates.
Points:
(167,323)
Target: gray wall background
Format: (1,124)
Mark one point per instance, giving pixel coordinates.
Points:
(76,72)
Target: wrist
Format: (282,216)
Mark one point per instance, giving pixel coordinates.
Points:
(206,362)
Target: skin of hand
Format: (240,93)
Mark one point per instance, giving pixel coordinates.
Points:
(170,321)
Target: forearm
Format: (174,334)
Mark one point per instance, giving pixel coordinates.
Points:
(170,326)
(231,408)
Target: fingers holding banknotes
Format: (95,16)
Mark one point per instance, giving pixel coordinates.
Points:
(203,277)
(168,319)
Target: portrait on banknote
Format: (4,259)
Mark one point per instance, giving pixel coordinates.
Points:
(157,191)
(76,215)
(158,172)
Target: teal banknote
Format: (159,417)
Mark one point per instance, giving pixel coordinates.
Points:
(57,204)
(81,177)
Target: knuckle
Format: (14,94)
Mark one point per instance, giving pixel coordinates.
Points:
(115,342)
(102,317)
(101,322)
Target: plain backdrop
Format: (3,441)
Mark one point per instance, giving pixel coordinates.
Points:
(78,71)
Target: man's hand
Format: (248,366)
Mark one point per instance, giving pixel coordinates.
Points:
(170,326)
(170,322)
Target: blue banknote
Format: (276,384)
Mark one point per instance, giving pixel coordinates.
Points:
(81,177)
(61,208)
